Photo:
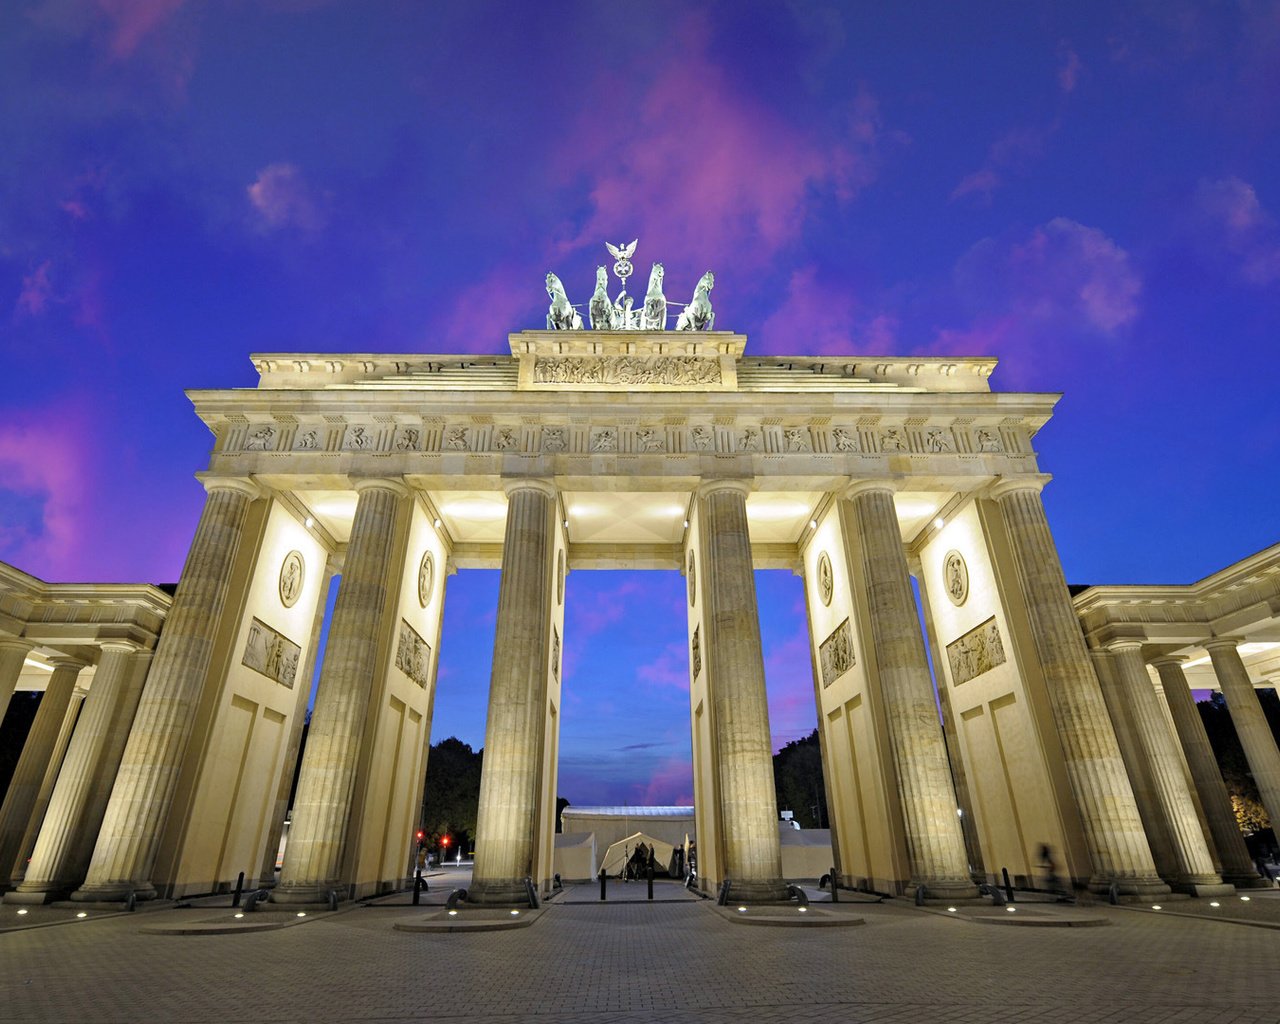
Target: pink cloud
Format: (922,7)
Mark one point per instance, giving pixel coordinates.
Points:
(45,479)
(819,317)
(708,169)
(1011,153)
(482,314)
(789,671)
(669,669)
(282,198)
(671,784)
(133,20)
(1044,294)
(1069,70)
(36,291)
(1237,223)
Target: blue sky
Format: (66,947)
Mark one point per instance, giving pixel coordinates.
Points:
(1088,191)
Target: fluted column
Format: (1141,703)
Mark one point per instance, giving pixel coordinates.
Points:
(935,842)
(735,682)
(1196,873)
(38,752)
(130,836)
(64,844)
(13,654)
(317,837)
(1136,764)
(70,720)
(1237,865)
(1248,718)
(1108,812)
(505,823)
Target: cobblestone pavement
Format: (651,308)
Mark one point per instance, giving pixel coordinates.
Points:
(628,963)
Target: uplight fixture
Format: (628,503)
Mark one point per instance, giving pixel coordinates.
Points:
(302,913)
(22,911)
(1215,903)
(951,910)
(1244,899)
(1156,906)
(238,916)
(82,914)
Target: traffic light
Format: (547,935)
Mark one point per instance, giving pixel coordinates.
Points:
(445,842)
(421,837)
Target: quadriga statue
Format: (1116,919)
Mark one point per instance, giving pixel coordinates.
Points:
(698,315)
(655,303)
(561,316)
(603,315)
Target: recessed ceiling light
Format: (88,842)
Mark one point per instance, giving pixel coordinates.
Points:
(939,523)
(813,524)
(309,523)
(436,522)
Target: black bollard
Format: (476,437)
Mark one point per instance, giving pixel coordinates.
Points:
(835,885)
(1008,888)
(649,874)
(235,900)
(417,887)
(603,879)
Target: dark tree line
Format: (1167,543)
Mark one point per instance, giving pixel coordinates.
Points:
(797,781)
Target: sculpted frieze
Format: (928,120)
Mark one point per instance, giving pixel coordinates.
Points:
(845,440)
(260,439)
(455,439)
(271,652)
(978,651)
(667,371)
(989,441)
(797,439)
(604,440)
(835,654)
(413,654)
(307,440)
(506,439)
(938,440)
(408,439)
(358,439)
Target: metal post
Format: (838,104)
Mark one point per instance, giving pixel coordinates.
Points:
(235,900)
(649,875)
(835,885)
(603,880)
(1008,887)
(417,887)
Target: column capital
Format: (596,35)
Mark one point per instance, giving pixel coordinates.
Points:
(241,484)
(119,646)
(530,483)
(1003,486)
(1126,643)
(16,643)
(865,487)
(380,483)
(66,661)
(1174,660)
(708,487)
(1222,643)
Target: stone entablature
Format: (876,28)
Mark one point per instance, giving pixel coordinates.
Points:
(622,361)
(75,618)
(1243,599)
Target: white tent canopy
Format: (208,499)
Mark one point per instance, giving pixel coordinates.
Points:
(616,857)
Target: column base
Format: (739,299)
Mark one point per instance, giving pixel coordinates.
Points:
(313,893)
(772,890)
(32,898)
(1140,887)
(1252,880)
(114,892)
(1205,888)
(946,890)
(498,892)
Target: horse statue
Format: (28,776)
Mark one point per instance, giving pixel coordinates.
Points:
(654,317)
(600,307)
(698,315)
(561,316)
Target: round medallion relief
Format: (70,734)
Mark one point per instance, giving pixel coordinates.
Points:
(560,578)
(826,581)
(956,577)
(291,573)
(693,581)
(426,578)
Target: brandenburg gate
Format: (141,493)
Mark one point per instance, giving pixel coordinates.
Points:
(622,444)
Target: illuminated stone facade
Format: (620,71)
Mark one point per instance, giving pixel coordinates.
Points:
(639,450)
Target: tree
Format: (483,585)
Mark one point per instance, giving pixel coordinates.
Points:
(797,781)
(1245,799)
(451,793)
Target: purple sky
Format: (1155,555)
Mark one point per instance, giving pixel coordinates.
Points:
(1089,192)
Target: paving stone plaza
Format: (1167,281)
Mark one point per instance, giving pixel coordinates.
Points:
(630,961)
